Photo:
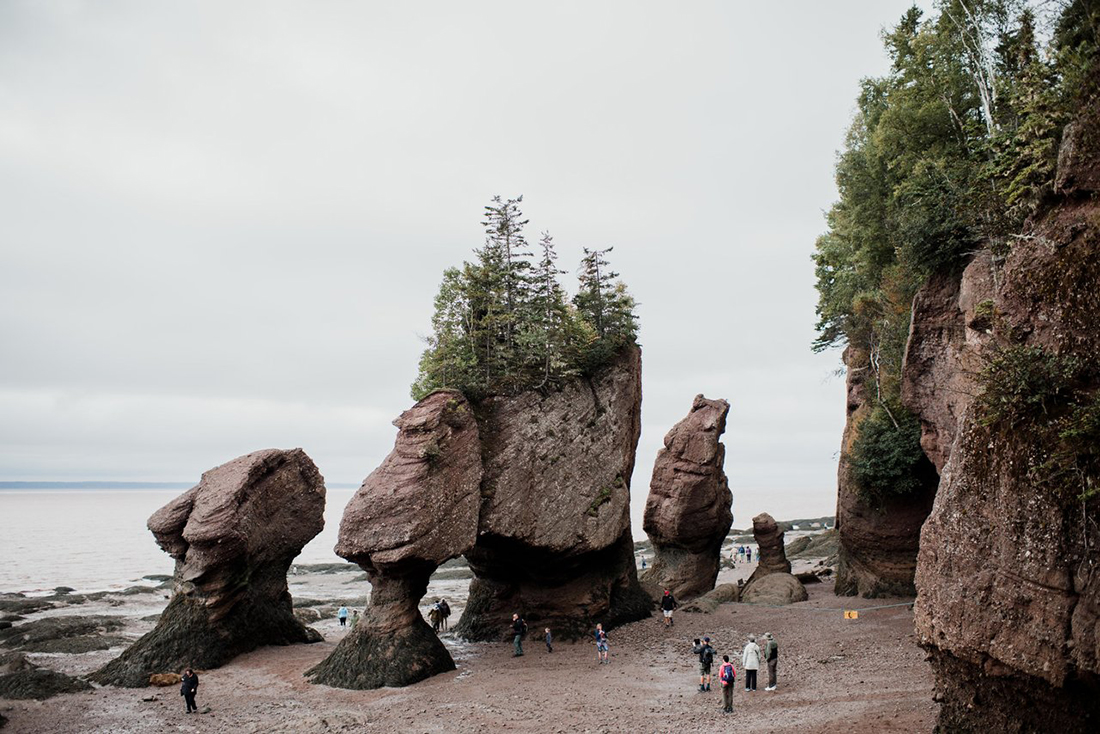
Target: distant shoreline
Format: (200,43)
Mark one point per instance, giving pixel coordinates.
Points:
(128,485)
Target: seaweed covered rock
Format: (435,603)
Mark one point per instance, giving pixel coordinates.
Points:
(413,513)
(1009,598)
(22,679)
(709,602)
(233,537)
(554,540)
(878,540)
(687,513)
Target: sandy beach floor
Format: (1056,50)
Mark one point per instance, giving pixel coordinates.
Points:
(835,675)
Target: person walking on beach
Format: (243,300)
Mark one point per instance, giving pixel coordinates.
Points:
(445,609)
(741,551)
(750,661)
(519,629)
(748,553)
(435,616)
(601,645)
(354,618)
(668,603)
(342,615)
(549,641)
(643,563)
(771,657)
(189,686)
(706,659)
(727,676)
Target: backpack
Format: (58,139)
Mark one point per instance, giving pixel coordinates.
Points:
(727,674)
(708,655)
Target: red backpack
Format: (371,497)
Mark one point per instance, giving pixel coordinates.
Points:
(727,674)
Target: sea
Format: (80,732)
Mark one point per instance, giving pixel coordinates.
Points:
(96,539)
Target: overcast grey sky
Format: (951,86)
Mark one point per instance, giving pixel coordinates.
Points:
(223,224)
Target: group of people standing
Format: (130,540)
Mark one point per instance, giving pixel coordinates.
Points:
(742,553)
(752,656)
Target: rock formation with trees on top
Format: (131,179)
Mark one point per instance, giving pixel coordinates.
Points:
(960,270)
(528,422)
(687,512)
(233,537)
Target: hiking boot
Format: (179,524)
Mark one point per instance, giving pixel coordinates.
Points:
(770,688)
(708,686)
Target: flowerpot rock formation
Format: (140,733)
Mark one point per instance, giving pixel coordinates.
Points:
(233,537)
(532,488)
(687,513)
(414,512)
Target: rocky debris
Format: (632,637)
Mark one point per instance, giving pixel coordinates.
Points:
(19,604)
(554,540)
(413,513)
(951,324)
(69,634)
(710,601)
(774,589)
(820,545)
(1008,604)
(22,679)
(687,513)
(878,543)
(233,537)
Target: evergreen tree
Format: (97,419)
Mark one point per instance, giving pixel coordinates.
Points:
(604,304)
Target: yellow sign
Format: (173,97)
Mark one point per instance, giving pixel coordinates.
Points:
(851,614)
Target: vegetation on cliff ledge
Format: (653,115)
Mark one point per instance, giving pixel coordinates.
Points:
(949,152)
(503,323)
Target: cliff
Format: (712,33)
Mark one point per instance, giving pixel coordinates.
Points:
(1008,595)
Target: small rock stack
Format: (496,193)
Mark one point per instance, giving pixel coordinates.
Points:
(771,582)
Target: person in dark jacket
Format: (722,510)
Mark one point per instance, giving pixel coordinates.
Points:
(189,686)
(668,603)
(771,657)
(519,629)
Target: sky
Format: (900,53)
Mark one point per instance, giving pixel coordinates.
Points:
(222,225)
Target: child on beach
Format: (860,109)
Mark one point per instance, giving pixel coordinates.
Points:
(601,644)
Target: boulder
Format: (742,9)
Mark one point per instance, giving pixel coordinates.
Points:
(687,513)
(878,543)
(413,513)
(233,537)
(32,682)
(553,539)
(1008,602)
(709,602)
(774,589)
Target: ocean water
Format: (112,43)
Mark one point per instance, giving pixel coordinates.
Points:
(96,539)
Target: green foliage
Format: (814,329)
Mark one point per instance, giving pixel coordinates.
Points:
(886,457)
(503,323)
(1046,400)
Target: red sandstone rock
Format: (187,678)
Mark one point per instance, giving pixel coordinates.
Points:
(233,536)
(687,513)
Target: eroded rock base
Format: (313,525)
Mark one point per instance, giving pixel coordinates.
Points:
(975,702)
(187,636)
(567,595)
(372,658)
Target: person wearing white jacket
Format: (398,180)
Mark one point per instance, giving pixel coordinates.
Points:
(750,661)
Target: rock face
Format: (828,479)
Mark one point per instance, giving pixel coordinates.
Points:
(233,536)
(553,539)
(771,582)
(878,544)
(687,513)
(414,512)
(952,321)
(1009,598)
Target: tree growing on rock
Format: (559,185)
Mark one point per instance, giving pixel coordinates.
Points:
(503,324)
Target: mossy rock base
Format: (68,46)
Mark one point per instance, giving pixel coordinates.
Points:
(186,635)
(370,658)
(39,684)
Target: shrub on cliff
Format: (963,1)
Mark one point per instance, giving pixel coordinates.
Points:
(503,323)
(886,457)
